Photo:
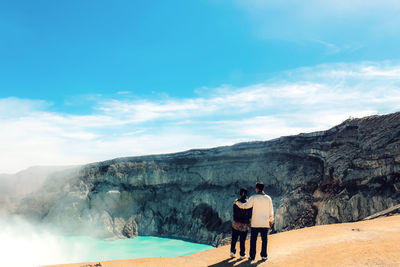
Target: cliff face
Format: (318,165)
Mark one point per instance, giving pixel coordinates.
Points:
(340,175)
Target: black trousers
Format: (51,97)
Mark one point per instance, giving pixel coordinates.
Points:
(235,236)
(253,241)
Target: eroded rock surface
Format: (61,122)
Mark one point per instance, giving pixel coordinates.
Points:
(343,174)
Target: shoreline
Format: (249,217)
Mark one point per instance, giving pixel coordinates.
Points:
(373,242)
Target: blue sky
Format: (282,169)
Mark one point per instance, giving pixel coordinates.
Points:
(83,81)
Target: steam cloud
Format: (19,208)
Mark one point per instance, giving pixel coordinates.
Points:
(23,244)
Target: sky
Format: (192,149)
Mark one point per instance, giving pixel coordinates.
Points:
(85,81)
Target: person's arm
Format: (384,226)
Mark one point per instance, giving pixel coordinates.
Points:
(247,205)
(271,214)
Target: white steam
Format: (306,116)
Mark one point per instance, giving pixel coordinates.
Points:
(22,244)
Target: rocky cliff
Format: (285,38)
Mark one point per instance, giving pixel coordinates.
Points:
(339,175)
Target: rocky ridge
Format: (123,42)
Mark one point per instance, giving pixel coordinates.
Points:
(340,175)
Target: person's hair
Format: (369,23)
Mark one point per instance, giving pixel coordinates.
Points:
(260,186)
(243,193)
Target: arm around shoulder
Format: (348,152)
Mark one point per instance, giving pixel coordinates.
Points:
(247,205)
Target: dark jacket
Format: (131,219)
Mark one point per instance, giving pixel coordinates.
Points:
(241,215)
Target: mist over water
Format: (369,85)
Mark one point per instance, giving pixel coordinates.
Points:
(23,244)
(139,247)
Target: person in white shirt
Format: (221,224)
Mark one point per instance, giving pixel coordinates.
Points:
(262,219)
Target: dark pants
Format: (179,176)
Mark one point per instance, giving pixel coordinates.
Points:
(235,236)
(253,241)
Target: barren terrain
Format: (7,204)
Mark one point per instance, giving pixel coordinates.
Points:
(365,243)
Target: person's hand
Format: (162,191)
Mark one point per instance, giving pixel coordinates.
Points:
(235,201)
(270,224)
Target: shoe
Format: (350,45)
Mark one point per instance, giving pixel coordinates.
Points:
(243,257)
(232,255)
(264,258)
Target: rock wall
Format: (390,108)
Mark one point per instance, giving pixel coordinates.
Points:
(339,175)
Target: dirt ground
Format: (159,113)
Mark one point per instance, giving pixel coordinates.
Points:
(366,243)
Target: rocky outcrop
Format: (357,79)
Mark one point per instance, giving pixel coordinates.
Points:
(387,212)
(343,174)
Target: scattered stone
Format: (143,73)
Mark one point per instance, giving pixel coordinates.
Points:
(92,265)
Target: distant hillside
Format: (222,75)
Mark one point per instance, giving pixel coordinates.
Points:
(13,187)
(340,175)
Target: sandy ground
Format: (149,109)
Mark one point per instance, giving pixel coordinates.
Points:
(367,243)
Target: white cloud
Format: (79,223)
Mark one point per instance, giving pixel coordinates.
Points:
(14,107)
(301,100)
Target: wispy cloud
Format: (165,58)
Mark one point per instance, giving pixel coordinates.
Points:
(337,25)
(301,100)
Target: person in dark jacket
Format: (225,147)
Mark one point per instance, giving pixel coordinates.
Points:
(240,224)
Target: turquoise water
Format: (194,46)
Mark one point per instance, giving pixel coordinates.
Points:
(85,248)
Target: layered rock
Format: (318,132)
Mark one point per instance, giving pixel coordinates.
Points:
(339,175)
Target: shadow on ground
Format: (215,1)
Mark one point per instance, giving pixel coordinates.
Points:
(237,263)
